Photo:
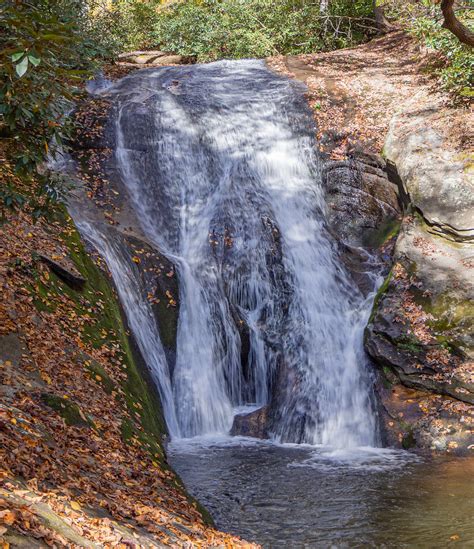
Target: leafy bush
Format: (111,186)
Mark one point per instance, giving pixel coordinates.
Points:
(47,48)
(213,29)
(457,67)
(135,20)
(455,61)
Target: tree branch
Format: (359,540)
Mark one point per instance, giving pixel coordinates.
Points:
(452,23)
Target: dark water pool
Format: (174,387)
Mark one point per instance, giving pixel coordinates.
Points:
(293,496)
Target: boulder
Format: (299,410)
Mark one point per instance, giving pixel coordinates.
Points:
(151,58)
(438,178)
(169,60)
(253,424)
(128,55)
(361,200)
(364,212)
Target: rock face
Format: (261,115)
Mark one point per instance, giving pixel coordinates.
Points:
(362,201)
(253,424)
(439,179)
(420,332)
(363,211)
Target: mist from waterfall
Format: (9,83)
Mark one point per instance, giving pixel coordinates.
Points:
(222,168)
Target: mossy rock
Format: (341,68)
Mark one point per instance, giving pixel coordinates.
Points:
(379,295)
(386,231)
(68,410)
(408,440)
(108,325)
(99,375)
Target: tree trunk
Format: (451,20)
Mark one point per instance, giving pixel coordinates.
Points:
(452,23)
(381,22)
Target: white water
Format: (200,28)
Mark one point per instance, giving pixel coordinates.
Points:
(221,165)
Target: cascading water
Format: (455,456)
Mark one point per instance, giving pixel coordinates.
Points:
(221,166)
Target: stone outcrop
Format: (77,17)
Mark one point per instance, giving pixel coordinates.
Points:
(362,201)
(438,178)
(364,212)
(152,57)
(420,333)
(65,270)
(253,424)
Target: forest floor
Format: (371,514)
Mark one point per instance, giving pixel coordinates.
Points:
(355,92)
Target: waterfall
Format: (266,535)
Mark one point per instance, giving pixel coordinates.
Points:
(222,169)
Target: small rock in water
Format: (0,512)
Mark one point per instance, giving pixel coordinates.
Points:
(253,424)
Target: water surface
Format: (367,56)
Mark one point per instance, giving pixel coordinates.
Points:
(301,496)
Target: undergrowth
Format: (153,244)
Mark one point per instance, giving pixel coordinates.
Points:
(453,62)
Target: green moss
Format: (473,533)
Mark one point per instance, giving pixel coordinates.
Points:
(127,431)
(409,440)
(389,229)
(449,312)
(106,325)
(388,377)
(411,345)
(67,409)
(100,375)
(378,296)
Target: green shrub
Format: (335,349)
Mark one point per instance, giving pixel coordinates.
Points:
(134,21)
(47,49)
(215,29)
(457,67)
(455,61)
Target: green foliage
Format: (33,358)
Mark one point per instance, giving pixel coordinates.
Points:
(135,20)
(47,49)
(454,60)
(214,29)
(457,68)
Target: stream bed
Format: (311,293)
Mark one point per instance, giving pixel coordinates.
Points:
(300,496)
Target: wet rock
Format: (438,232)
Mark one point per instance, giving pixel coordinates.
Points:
(361,200)
(364,213)
(11,348)
(253,424)
(413,418)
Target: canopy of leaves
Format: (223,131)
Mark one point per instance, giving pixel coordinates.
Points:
(47,48)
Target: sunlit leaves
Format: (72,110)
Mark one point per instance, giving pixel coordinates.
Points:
(45,51)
